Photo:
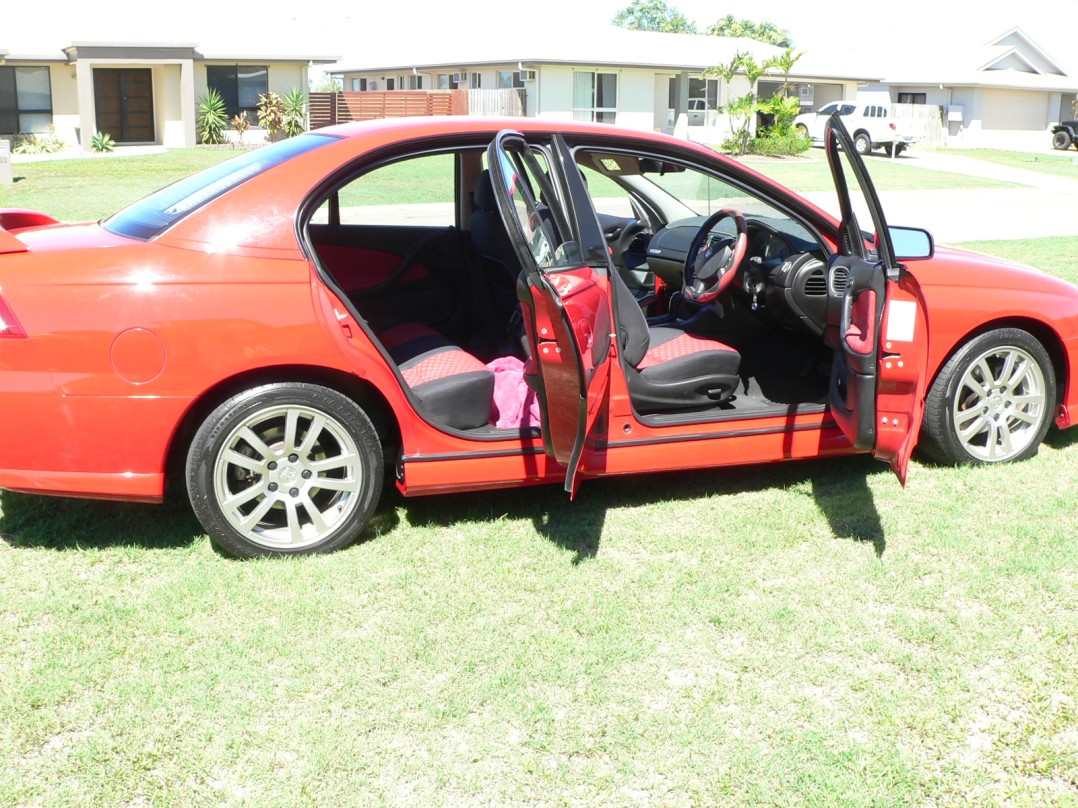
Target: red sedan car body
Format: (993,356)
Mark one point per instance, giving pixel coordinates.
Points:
(278,329)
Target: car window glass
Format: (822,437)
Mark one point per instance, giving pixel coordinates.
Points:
(676,192)
(847,109)
(415,192)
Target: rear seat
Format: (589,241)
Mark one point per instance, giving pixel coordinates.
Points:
(455,388)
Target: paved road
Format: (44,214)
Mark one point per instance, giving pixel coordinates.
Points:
(1046,205)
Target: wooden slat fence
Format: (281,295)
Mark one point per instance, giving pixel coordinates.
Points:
(926,118)
(327,109)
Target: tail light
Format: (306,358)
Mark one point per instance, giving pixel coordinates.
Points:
(893,127)
(9,323)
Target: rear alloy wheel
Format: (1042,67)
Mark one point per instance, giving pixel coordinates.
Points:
(993,400)
(862,143)
(1061,140)
(285,469)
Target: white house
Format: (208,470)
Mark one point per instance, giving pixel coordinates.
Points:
(138,92)
(1005,93)
(638,79)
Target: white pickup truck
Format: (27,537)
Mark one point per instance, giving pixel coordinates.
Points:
(871,125)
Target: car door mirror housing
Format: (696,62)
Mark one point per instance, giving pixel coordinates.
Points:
(911,243)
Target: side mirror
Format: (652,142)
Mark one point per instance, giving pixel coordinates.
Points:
(911,243)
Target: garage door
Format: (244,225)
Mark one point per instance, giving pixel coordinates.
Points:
(1015,110)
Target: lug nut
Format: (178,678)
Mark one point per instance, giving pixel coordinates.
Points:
(273,486)
(293,492)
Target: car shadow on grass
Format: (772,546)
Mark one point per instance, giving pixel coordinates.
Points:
(36,522)
(839,487)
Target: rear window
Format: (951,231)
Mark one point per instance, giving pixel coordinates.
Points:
(160,210)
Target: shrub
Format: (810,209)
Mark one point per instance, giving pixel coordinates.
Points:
(102,142)
(294,112)
(270,113)
(775,145)
(48,143)
(241,123)
(212,118)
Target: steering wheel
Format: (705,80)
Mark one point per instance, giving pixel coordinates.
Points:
(709,271)
(625,240)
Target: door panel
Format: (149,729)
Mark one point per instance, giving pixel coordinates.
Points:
(880,330)
(564,291)
(399,273)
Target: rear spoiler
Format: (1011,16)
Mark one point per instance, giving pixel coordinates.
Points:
(15,219)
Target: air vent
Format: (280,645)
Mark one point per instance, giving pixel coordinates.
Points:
(840,276)
(816,284)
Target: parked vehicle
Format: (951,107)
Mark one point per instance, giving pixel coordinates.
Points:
(1064,134)
(444,300)
(871,125)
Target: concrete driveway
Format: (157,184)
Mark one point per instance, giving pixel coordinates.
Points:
(1045,205)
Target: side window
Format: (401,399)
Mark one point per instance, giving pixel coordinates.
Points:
(847,109)
(827,109)
(414,192)
(537,212)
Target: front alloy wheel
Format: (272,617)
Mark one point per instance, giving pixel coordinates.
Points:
(993,401)
(285,469)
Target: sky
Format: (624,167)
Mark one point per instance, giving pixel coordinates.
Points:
(351,28)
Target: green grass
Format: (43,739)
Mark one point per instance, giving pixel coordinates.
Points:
(805,633)
(1063,164)
(89,189)
(811,173)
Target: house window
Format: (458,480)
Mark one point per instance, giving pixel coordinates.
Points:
(415,82)
(356,87)
(239,86)
(25,100)
(443,81)
(595,96)
(477,81)
(913,98)
(509,79)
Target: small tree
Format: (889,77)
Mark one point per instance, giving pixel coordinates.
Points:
(270,113)
(211,118)
(740,111)
(653,15)
(294,112)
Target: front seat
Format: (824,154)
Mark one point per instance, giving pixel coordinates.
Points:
(668,368)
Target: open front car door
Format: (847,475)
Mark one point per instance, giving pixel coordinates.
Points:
(564,291)
(876,320)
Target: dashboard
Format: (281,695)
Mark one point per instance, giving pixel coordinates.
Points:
(784,267)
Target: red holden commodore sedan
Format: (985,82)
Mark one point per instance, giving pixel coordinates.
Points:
(467,304)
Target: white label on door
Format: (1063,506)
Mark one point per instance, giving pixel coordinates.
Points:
(901,320)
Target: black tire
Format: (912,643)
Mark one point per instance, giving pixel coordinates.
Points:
(1062,140)
(992,402)
(862,143)
(285,469)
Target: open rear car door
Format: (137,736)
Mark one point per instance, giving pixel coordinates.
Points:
(876,320)
(564,290)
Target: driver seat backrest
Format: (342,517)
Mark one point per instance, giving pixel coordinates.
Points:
(667,368)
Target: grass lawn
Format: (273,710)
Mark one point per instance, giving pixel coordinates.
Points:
(92,188)
(806,633)
(1063,164)
(810,173)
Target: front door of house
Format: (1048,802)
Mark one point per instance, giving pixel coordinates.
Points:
(123,98)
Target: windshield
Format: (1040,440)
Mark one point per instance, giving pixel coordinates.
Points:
(159,211)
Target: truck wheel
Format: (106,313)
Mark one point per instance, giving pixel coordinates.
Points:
(1062,140)
(862,143)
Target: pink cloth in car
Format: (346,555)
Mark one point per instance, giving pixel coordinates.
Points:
(515,404)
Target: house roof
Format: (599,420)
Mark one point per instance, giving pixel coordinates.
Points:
(1009,61)
(118,35)
(608,47)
